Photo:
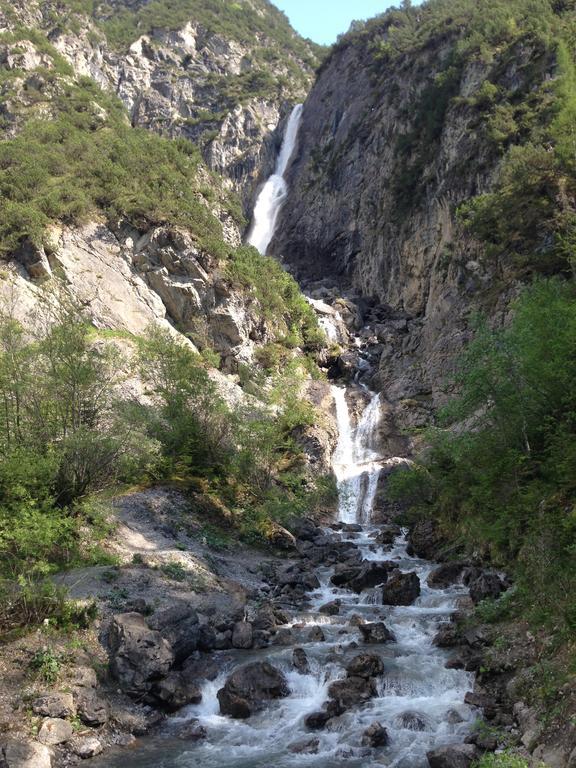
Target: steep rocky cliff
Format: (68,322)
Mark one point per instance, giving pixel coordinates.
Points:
(220,75)
(410,117)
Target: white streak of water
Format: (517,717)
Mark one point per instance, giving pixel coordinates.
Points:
(274,191)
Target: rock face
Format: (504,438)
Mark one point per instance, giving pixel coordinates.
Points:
(372,204)
(249,688)
(138,655)
(214,88)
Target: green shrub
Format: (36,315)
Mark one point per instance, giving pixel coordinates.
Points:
(503,760)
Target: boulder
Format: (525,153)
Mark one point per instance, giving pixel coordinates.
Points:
(83,677)
(448,636)
(54,731)
(206,638)
(375,736)
(86,746)
(401,589)
(424,540)
(352,691)
(139,656)
(249,688)
(92,710)
(242,635)
(176,690)
(315,721)
(300,661)
(330,609)
(410,721)
(445,575)
(454,756)
(192,731)
(486,586)
(375,633)
(179,625)
(365,665)
(305,747)
(54,705)
(372,574)
(316,635)
(25,754)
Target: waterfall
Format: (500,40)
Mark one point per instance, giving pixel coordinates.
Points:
(275,189)
(356,463)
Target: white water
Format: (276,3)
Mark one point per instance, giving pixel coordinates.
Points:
(274,190)
(415,683)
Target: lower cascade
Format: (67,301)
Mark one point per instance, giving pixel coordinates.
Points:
(364,683)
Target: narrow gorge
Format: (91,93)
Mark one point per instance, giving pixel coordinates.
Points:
(287,402)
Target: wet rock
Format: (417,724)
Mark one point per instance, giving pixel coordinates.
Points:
(401,589)
(486,586)
(265,618)
(192,731)
(330,609)
(445,575)
(54,730)
(284,636)
(448,636)
(25,754)
(370,575)
(454,717)
(454,756)
(365,665)
(305,747)
(223,641)
(176,691)
(375,736)
(424,540)
(92,709)
(351,528)
(387,535)
(86,746)
(375,633)
(242,635)
(296,576)
(316,635)
(410,721)
(352,691)
(138,655)
(315,721)
(261,639)
(249,688)
(300,661)
(54,705)
(305,529)
(206,638)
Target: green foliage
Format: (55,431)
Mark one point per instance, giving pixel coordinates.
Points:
(174,571)
(504,760)
(280,297)
(47,665)
(505,484)
(237,21)
(89,159)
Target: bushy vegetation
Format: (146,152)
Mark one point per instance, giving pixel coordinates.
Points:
(500,472)
(65,437)
(503,760)
(88,159)
(280,298)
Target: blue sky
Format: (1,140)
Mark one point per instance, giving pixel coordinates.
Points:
(323,20)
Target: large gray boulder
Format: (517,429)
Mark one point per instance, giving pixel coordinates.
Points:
(454,756)
(54,731)
(401,589)
(249,688)
(139,656)
(25,754)
(352,691)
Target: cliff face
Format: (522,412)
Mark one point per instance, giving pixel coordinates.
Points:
(201,77)
(390,146)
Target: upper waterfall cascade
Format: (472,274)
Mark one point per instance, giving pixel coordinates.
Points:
(275,189)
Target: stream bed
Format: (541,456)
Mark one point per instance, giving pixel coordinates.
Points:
(418,701)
